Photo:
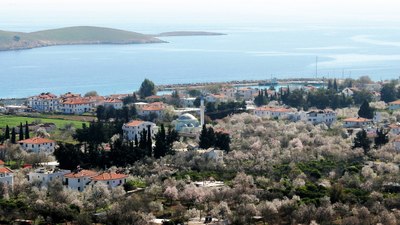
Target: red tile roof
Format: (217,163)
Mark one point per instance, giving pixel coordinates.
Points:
(113,100)
(271,109)
(134,123)
(76,101)
(109,176)
(36,140)
(81,173)
(1,162)
(397,102)
(357,120)
(5,170)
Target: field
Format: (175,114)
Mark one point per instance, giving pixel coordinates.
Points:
(59,122)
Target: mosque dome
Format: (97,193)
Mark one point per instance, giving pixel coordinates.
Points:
(186,116)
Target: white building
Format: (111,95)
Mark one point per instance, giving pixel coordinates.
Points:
(78,180)
(187,102)
(394,105)
(347,92)
(38,144)
(356,122)
(45,175)
(75,106)
(326,116)
(246,93)
(6,175)
(213,154)
(135,128)
(113,102)
(111,179)
(216,98)
(395,128)
(272,112)
(45,102)
(187,125)
(155,108)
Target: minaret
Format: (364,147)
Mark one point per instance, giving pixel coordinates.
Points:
(201,111)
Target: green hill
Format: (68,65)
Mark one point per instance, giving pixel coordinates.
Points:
(71,36)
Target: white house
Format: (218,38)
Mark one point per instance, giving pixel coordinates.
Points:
(213,154)
(326,116)
(246,93)
(271,112)
(347,92)
(394,105)
(135,128)
(6,175)
(187,102)
(395,128)
(38,144)
(396,143)
(356,122)
(113,102)
(45,175)
(75,106)
(111,179)
(45,102)
(216,98)
(155,108)
(79,179)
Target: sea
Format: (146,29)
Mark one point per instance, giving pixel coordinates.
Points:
(244,53)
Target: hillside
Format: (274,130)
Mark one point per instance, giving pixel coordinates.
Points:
(71,36)
(187,33)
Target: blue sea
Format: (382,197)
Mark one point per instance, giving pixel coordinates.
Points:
(245,53)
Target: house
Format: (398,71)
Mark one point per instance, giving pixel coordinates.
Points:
(135,127)
(38,144)
(78,179)
(246,93)
(111,179)
(230,93)
(213,154)
(395,128)
(6,175)
(358,122)
(326,116)
(187,102)
(216,98)
(75,106)
(394,105)
(113,102)
(44,175)
(347,92)
(45,102)
(271,112)
(155,108)
(139,105)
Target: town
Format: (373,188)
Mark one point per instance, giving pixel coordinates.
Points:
(217,154)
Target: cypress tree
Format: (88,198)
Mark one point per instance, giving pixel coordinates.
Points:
(381,138)
(21,132)
(366,111)
(7,133)
(335,87)
(204,143)
(143,141)
(26,130)
(13,138)
(136,141)
(149,141)
(329,84)
(361,141)
(160,148)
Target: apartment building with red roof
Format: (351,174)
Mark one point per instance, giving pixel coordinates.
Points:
(135,128)
(45,102)
(79,179)
(38,144)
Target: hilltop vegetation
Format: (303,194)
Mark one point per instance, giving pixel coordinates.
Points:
(71,36)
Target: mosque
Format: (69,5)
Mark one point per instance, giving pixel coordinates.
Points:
(188,125)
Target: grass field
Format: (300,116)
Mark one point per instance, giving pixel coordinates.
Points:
(16,120)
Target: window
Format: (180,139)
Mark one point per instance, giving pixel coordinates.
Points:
(79,180)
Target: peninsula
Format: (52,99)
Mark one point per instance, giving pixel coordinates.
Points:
(81,35)
(188,33)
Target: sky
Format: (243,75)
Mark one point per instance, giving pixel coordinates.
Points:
(55,13)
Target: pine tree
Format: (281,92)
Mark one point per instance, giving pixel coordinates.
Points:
(7,133)
(366,111)
(21,132)
(362,141)
(26,130)
(381,138)
(13,138)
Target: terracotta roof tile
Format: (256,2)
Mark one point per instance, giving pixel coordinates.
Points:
(357,120)
(134,123)
(36,140)
(1,162)
(109,176)
(81,173)
(271,109)
(5,170)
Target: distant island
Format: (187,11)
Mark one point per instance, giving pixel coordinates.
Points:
(82,35)
(188,33)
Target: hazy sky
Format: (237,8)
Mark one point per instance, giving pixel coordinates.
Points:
(107,12)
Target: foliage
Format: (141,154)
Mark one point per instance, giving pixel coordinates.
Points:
(147,88)
(366,111)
